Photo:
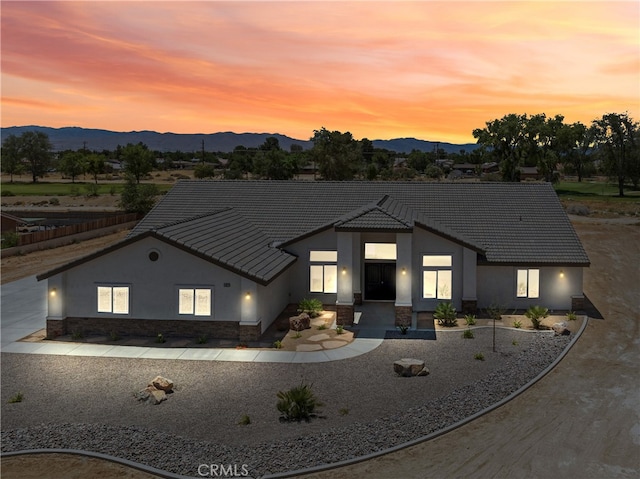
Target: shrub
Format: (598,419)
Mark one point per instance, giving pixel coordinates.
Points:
(203,339)
(403,328)
(54,201)
(536,314)
(76,335)
(277,344)
(245,420)
(313,307)
(298,403)
(18,397)
(445,314)
(517,324)
(7,193)
(160,338)
(10,239)
(495,311)
(467,334)
(322,326)
(470,319)
(297,335)
(343,411)
(91,189)
(479,356)
(572,316)
(113,336)
(339,329)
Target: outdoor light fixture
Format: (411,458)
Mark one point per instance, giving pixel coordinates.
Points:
(404,271)
(562,273)
(248,295)
(53,292)
(344,270)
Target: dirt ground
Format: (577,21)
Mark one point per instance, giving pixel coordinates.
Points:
(581,420)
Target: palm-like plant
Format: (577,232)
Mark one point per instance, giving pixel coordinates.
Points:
(297,403)
(536,314)
(445,314)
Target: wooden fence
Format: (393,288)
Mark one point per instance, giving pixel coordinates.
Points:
(37,236)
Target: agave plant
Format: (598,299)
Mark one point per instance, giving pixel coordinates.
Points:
(297,403)
(445,314)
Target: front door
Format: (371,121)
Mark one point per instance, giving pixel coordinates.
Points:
(380,281)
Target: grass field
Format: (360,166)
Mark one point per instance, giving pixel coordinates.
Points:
(593,189)
(64,189)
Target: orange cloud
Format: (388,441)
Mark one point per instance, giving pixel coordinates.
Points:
(426,69)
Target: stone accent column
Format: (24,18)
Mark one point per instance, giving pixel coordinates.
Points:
(577,303)
(344,314)
(250,332)
(469,306)
(403,315)
(357,298)
(56,327)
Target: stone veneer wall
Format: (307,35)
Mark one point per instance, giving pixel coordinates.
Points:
(577,303)
(469,306)
(403,315)
(151,328)
(344,315)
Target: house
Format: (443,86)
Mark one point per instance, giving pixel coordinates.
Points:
(225,258)
(10,223)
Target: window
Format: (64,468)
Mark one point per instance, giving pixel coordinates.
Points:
(323,272)
(380,251)
(436,276)
(528,283)
(194,301)
(113,299)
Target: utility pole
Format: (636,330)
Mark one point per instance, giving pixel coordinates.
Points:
(203,151)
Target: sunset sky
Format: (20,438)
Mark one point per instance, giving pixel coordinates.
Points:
(424,69)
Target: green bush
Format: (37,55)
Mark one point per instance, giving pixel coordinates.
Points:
(7,193)
(54,201)
(470,319)
(245,420)
(18,397)
(517,324)
(10,239)
(91,190)
(495,311)
(536,314)
(572,316)
(467,334)
(313,307)
(277,344)
(479,356)
(298,403)
(445,314)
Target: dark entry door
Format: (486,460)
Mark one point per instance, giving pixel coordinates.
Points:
(380,281)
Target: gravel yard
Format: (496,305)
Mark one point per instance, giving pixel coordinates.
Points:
(87,403)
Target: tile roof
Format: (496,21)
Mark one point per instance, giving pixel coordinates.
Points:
(513,223)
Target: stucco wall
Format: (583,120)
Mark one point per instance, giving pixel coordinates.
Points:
(153,284)
(497,285)
(274,298)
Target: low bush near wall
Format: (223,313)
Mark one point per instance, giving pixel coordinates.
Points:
(313,307)
(445,314)
(536,314)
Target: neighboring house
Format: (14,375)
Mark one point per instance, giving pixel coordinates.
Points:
(225,258)
(10,223)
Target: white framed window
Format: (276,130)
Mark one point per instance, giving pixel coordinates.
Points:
(387,251)
(528,283)
(323,271)
(113,299)
(194,301)
(436,276)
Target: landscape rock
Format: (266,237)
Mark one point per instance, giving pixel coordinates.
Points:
(157,396)
(162,383)
(300,322)
(561,329)
(408,367)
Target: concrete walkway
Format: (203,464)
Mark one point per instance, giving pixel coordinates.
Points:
(24,310)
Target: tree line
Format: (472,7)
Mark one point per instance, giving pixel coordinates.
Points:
(610,145)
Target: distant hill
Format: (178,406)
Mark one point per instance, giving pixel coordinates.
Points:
(74,138)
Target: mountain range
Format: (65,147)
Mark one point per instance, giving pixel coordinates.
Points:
(75,138)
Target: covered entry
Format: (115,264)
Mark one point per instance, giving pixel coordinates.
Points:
(379,281)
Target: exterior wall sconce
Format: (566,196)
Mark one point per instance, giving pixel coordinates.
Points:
(248,295)
(404,271)
(53,292)
(344,270)
(562,273)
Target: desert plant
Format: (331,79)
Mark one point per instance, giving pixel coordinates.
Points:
(277,344)
(470,319)
(403,328)
(245,420)
(322,326)
(517,324)
(339,329)
(16,398)
(10,239)
(297,335)
(113,336)
(298,403)
(572,316)
(445,314)
(495,311)
(76,335)
(514,342)
(54,201)
(536,314)
(479,356)
(467,334)
(203,339)
(313,307)
(160,338)
(343,411)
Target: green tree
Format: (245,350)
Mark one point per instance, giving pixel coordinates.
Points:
(616,136)
(418,160)
(204,170)
(138,160)
(73,164)
(576,140)
(136,197)
(336,154)
(95,165)
(275,165)
(11,156)
(505,140)
(35,147)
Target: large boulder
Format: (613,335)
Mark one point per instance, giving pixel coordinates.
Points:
(300,322)
(151,395)
(408,367)
(161,383)
(561,329)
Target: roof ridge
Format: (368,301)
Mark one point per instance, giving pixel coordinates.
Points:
(191,218)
